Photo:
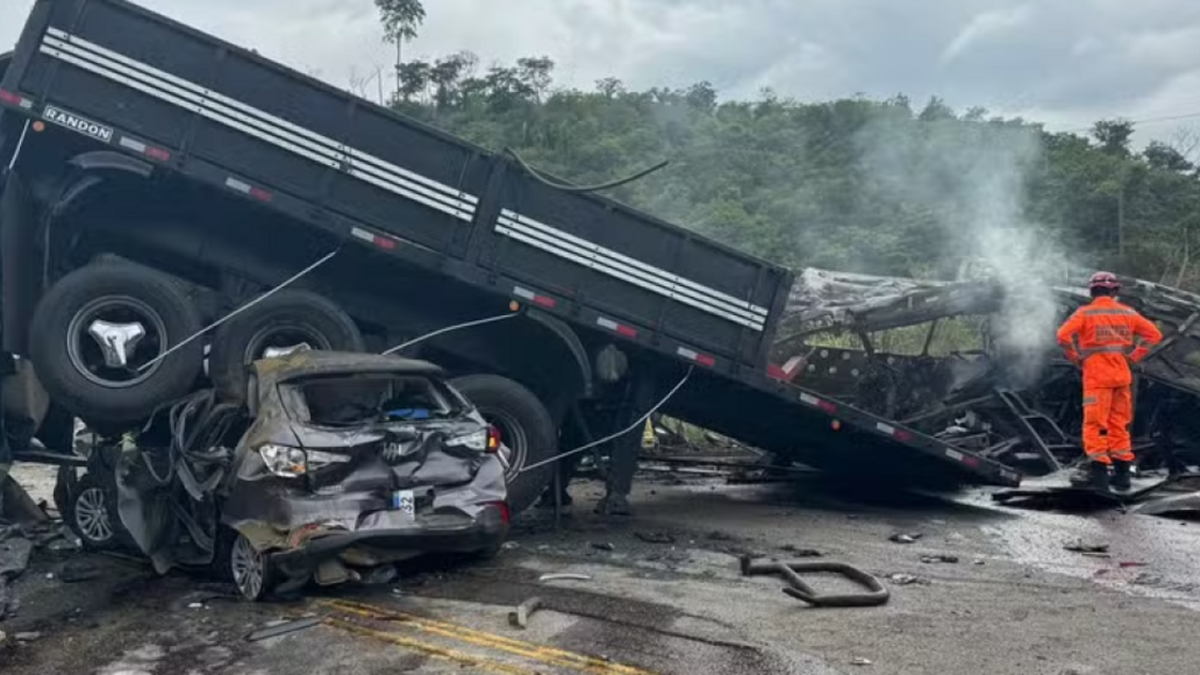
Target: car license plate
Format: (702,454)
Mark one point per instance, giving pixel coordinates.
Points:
(406,501)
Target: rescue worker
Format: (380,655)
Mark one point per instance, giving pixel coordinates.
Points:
(1103,338)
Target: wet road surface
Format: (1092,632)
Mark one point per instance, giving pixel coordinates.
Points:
(1015,602)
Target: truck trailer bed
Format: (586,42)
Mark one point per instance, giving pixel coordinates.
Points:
(136,83)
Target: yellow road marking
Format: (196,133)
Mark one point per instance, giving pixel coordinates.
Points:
(544,654)
(430,649)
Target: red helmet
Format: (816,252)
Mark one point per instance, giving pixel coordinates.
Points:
(1105,280)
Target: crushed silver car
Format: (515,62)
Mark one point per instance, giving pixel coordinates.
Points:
(339,466)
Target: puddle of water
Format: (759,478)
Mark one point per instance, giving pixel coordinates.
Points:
(1159,554)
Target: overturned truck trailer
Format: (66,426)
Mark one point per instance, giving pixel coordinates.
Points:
(934,356)
(160,178)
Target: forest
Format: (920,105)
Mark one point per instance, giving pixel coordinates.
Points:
(877,186)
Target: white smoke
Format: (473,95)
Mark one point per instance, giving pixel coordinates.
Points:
(974,178)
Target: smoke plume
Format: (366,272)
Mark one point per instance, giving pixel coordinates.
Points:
(975,177)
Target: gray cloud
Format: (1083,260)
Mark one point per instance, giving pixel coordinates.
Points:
(1066,63)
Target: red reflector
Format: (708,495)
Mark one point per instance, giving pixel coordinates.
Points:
(384,242)
(505,515)
(626,331)
(9,97)
(776,372)
(158,153)
(827,406)
(902,435)
(260,194)
(544,301)
(706,360)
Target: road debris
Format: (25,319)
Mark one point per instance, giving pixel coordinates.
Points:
(980,561)
(905,538)
(30,636)
(519,617)
(1127,564)
(283,629)
(876,594)
(907,580)
(510,546)
(801,552)
(564,576)
(860,661)
(655,537)
(940,558)
(1081,547)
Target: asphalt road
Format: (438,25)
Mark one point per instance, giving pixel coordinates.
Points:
(1015,602)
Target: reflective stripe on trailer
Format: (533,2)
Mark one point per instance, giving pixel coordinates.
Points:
(257,123)
(593,256)
(815,402)
(618,328)
(142,148)
(693,355)
(535,298)
(15,99)
(370,237)
(247,189)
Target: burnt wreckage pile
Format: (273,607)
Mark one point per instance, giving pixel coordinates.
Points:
(933,356)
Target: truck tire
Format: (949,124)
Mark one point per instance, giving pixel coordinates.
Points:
(287,319)
(88,381)
(526,428)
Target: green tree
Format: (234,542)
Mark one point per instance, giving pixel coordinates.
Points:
(400,21)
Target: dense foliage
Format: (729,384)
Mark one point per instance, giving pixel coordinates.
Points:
(853,184)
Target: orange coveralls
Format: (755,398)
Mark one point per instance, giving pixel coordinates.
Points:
(1103,338)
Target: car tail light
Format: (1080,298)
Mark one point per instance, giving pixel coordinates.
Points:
(494,440)
(505,515)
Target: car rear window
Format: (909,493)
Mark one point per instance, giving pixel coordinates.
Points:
(356,399)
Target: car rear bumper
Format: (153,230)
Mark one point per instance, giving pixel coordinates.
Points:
(449,535)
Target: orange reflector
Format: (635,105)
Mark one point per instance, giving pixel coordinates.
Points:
(836,425)
(514,306)
(39,126)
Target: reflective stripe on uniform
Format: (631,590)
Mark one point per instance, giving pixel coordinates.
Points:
(1090,400)
(1108,312)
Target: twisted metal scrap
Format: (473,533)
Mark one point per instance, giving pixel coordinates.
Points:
(877,594)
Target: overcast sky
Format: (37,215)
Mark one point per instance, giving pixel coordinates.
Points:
(1062,62)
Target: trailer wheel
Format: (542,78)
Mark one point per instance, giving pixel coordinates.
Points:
(526,429)
(278,325)
(97,333)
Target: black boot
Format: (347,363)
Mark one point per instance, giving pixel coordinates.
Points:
(1093,475)
(1122,473)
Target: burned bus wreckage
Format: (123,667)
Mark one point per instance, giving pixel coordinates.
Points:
(937,357)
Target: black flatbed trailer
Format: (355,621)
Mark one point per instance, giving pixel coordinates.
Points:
(111,76)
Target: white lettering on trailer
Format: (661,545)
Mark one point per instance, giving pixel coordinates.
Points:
(78,124)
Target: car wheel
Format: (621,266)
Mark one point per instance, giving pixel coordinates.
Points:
(249,569)
(526,429)
(98,335)
(92,513)
(280,324)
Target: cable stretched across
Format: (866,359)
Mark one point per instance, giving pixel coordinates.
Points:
(584,188)
(295,277)
(449,329)
(641,420)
